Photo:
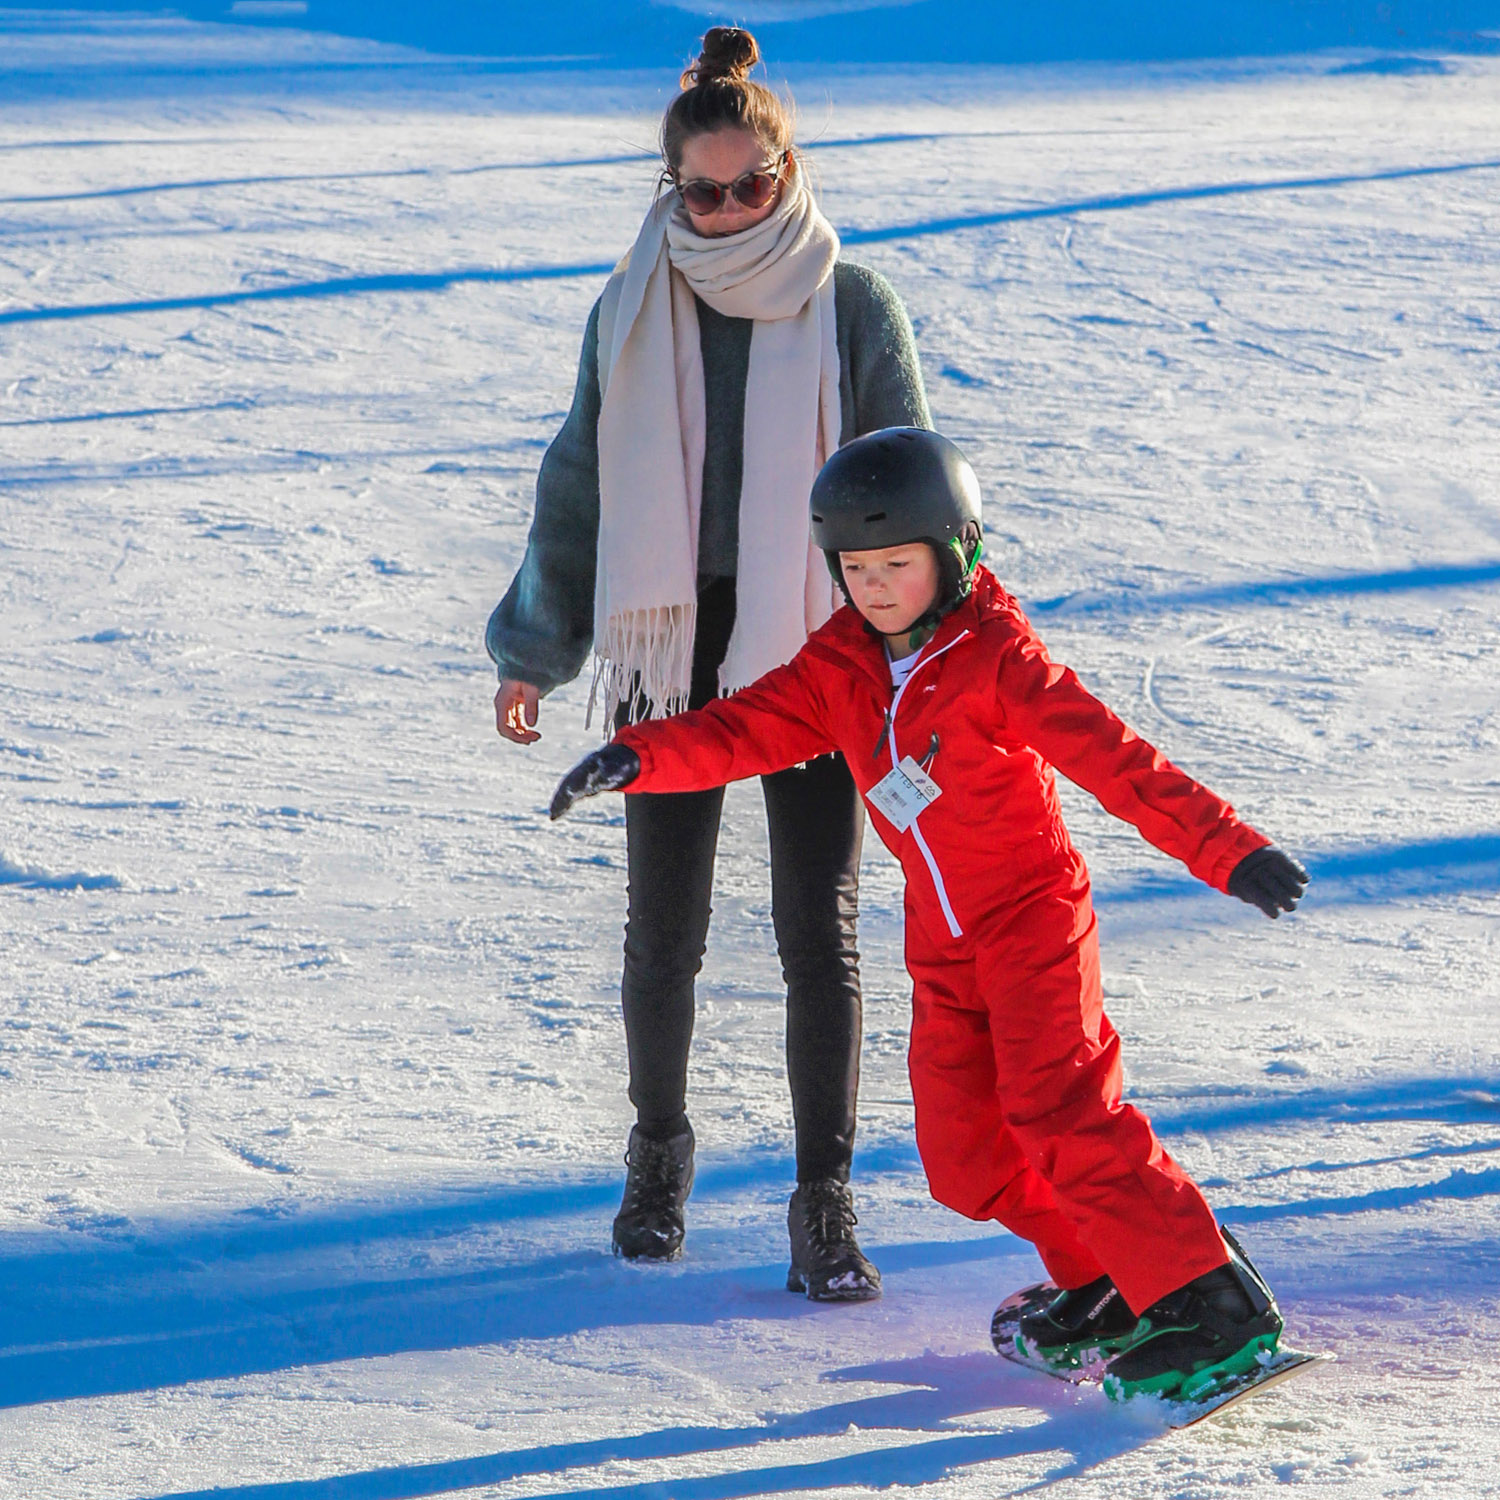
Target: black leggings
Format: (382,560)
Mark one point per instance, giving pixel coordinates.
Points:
(816,825)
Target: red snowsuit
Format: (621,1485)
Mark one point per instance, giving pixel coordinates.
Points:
(1015,1068)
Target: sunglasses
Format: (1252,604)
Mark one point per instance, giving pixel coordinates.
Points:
(751,190)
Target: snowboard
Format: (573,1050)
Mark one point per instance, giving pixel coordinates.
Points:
(1276,1368)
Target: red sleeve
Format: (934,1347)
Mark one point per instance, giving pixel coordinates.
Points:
(1046,706)
(770,725)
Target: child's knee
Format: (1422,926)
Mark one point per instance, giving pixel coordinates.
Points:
(964,1191)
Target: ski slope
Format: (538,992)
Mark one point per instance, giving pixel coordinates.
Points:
(311,1073)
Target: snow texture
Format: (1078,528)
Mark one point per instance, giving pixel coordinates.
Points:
(310,1060)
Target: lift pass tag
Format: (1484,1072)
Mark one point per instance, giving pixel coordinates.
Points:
(903,793)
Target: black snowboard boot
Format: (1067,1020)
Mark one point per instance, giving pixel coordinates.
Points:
(1076,1328)
(649,1224)
(1222,1323)
(827,1262)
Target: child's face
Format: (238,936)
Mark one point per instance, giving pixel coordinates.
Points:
(892,587)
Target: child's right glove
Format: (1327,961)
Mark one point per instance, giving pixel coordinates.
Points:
(604,770)
(1270,879)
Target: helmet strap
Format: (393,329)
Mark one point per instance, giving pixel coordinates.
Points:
(966,565)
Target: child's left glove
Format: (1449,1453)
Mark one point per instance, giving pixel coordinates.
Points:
(605,770)
(1270,879)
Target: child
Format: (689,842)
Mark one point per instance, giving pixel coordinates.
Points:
(950,714)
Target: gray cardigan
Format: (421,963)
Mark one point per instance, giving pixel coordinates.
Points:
(542,629)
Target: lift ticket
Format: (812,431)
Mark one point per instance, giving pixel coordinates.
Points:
(903,793)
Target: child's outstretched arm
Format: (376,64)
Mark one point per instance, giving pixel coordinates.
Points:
(1046,706)
(774,723)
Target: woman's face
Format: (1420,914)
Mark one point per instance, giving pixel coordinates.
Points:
(722,156)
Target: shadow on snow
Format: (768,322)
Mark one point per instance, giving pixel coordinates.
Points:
(1279,590)
(941,1389)
(1369,876)
(252,1295)
(1457,1187)
(442,173)
(436,281)
(590,34)
(1445,1101)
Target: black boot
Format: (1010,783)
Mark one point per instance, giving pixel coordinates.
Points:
(827,1262)
(1220,1324)
(649,1224)
(1076,1328)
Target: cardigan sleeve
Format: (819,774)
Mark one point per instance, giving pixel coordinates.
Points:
(881,384)
(541,631)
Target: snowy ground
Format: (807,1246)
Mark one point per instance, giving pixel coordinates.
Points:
(312,1099)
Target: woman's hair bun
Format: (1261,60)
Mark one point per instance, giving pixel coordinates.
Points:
(719,94)
(729,52)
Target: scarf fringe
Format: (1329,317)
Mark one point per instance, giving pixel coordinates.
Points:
(644,660)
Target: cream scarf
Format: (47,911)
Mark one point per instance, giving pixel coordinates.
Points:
(651,444)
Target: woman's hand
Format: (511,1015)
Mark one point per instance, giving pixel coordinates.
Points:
(515,711)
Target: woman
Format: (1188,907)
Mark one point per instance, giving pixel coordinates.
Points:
(729,354)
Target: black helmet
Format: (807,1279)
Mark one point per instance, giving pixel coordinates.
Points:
(899,485)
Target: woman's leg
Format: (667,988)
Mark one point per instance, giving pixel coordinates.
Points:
(816,825)
(670,840)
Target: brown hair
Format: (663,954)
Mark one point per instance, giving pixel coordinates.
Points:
(717,94)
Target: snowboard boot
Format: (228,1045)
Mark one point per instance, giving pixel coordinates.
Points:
(827,1262)
(1220,1324)
(649,1225)
(1077,1328)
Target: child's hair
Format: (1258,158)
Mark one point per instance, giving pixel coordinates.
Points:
(717,94)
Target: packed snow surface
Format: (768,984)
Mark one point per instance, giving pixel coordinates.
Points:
(313,1087)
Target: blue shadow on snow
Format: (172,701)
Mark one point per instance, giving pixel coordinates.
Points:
(941,1390)
(1462,1187)
(438,281)
(657,34)
(1277,590)
(203,184)
(1444,1101)
(212,1302)
(1372,875)
(25,878)
(217,1302)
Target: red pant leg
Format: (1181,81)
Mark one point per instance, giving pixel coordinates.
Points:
(1057,1066)
(974,1163)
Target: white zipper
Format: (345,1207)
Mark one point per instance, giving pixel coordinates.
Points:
(916,832)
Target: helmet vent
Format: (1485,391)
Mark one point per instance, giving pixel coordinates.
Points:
(875,515)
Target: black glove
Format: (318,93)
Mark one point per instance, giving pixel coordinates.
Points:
(605,770)
(1270,879)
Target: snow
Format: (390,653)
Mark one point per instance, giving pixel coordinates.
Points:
(312,1069)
